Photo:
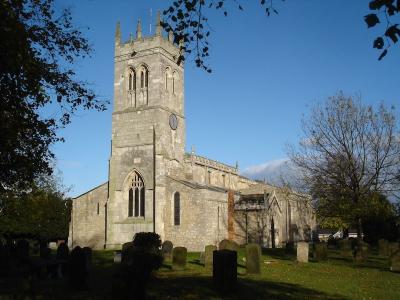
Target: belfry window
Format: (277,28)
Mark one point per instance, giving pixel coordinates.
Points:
(144,80)
(136,196)
(177,209)
(131,80)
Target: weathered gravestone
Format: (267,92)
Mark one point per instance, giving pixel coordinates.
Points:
(228,245)
(289,247)
(360,253)
(62,251)
(225,270)
(208,256)
(253,259)
(395,262)
(201,258)
(383,247)
(345,248)
(117,257)
(320,251)
(88,256)
(302,252)
(166,249)
(62,257)
(393,248)
(179,255)
(77,268)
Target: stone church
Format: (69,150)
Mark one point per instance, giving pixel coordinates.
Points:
(153,185)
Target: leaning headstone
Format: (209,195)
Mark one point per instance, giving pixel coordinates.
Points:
(208,256)
(393,248)
(225,269)
(77,268)
(383,246)
(302,252)
(345,248)
(228,245)
(179,258)
(88,257)
(166,249)
(253,259)
(320,251)
(395,262)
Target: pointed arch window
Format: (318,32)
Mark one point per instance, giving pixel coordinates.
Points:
(136,196)
(132,80)
(144,78)
(177,209)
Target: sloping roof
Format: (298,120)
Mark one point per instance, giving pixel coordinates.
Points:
(95,188)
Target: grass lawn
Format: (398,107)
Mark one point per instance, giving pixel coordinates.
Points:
(281,278)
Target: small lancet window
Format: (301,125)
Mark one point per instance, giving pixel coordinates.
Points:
(177,209)
(166,81)
(131,80)
(144,78)
(98,208)
(136,197)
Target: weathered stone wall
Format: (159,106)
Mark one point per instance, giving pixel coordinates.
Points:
(87,226)
(203,216)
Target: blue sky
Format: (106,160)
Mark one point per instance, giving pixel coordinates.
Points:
(267,72)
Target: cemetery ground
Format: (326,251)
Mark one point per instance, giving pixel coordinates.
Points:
(281,278)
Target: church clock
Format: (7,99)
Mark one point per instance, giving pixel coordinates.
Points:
(173,121)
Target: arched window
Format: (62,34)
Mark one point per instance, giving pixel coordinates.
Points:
(166,81)
(131,80)
(144,78)
(136,199)
(174,82)
(177,209)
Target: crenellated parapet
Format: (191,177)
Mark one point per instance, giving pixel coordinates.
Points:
(206,162)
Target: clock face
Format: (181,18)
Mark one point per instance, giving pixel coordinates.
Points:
(173,121)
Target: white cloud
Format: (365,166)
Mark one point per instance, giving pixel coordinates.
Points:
(272,171)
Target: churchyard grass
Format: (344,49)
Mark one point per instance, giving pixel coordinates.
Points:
(281,278)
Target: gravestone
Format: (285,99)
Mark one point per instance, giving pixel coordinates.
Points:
(360,253)
(208,256)
(225,269)
(88,257)
(62,256)
(393,248)
(395,262)
(166,249)
(179,255)
(77,268)
(289,247)
(345,248)
(320,251)
(117,257)
(201,258)
(253,259)
(62,251)
(383,247)
(302,252)
(228,245)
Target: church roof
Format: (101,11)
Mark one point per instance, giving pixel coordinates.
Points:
(95,188)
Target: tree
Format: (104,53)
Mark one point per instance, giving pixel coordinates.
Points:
(188,20)
(349,153)
(37,51)
(43,213)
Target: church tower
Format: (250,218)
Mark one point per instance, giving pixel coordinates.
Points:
(148,133)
